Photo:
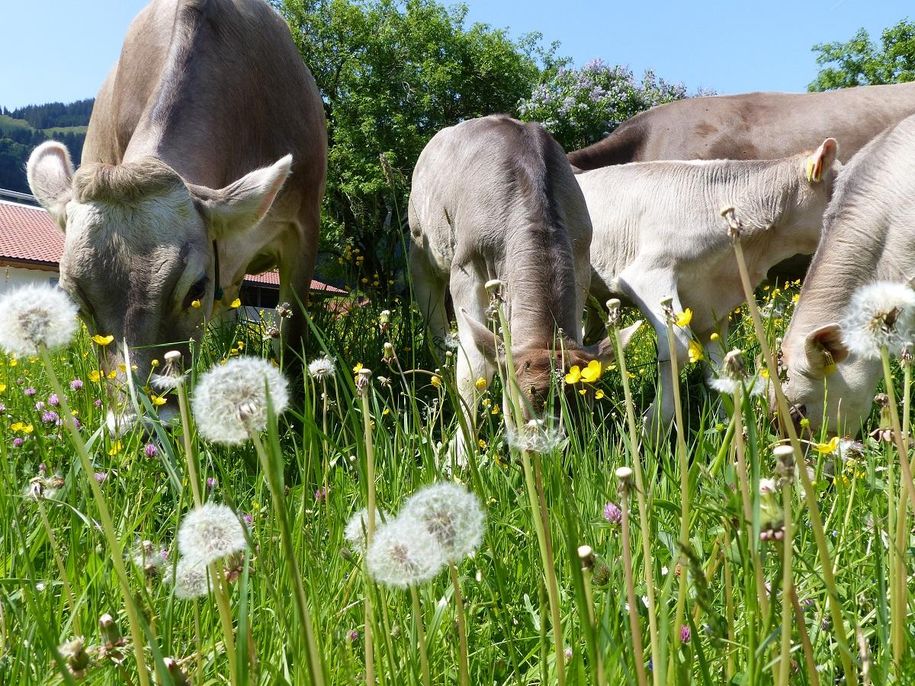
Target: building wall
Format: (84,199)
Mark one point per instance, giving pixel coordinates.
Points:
(12,277)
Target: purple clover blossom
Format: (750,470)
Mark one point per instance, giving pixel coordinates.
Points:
(321,494)
(76,385)
(151,450)
(39,405)
(247,519)
(17,442)
(50,417)
(101,477)
(353,636)
(29,391)
(212,483)
(53,400)
(98,402)
(612,513)
(2,408)
(685,633)
(77,424)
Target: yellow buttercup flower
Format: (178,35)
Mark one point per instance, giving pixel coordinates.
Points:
(22,427)
(357,368)
(598,394)
(480,384)
(495,409)
(236,303)
(2,387)
(94,376)
(482,444)
(102,340)
(684,318)
(828,447)
(113,374)
(764,373)
(436,381)
(115,448)
(13,362)
(157,400)
(582,391)
(573,376)
(695,352)
(592,372)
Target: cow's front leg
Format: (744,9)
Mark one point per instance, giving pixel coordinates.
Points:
(648,288)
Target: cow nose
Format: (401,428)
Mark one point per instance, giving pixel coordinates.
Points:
(797,413)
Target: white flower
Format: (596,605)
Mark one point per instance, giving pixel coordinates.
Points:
(767,486)
(322,368)
(356,527)
(729,386)
(453,516)
(211,532)
(536,437)
(880,315)
(33,316)
(403,553)
(230,400)
(190,578)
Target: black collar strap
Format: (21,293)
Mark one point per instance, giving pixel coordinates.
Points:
(217,290)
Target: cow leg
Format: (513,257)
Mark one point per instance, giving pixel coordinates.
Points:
(647,287)
(296,267)
(429,293)
(468,294)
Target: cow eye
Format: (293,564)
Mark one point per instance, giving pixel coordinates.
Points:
(196,292)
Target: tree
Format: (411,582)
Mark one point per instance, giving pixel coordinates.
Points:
(859,62)
(392,74)
(580,106)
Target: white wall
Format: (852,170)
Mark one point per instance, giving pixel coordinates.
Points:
(12,277)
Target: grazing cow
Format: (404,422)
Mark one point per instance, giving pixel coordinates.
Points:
(495,198)
(868,234)
(183,185)
(658,233)
(751,126)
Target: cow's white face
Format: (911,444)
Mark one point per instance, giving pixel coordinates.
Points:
(825,383)
(139,246)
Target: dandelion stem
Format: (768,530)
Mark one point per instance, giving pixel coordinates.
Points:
(61,567)
(193,473)
(464,665)
(635,629)
(810,496)
(897,429)
(117,551)
(369,530)
(787,583)
(421,636)
(805,640)
(635,463)
(221,592)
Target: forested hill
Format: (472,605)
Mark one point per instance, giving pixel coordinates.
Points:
(24,128)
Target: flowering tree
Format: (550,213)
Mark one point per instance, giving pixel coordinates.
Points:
(581,106)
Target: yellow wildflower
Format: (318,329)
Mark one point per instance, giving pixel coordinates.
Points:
(436,381)
(695,352)
(157,400)
(482,444)
(102,340)
(2,387)
(684,318)
(115,448)
(480,384)
(113,374)
(357,368)
(495,409)
(592,372)
(574,375)
(94,376)
(235,304)
(13,362)
(598,394)
(828,447)
(122,367)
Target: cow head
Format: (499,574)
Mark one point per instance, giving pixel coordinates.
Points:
(826,383)
(536,365)
(139,244)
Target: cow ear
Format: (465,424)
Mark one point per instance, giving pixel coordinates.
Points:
(821,160)
(241,204)
(487,342)
(50,175)
(824,348)
(605,351)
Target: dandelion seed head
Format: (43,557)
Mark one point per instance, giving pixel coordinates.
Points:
(33,316)
(536,437)
(453,516)
(880,315)
(322,368)
(356,527)
(211,532)
(231,399)
(190,578)
(403,553)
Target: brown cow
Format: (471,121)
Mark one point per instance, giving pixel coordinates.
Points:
(183,184)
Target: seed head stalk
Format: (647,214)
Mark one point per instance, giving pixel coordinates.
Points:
(784,666)
(530,462)
(624,474)
(464,665)
(116,550)
(683,460)
(363,384)
(658,671)
(421,636)
(813,509)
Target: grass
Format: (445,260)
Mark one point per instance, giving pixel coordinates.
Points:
(57,578)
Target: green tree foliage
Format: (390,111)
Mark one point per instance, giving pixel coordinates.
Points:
(860,62)
(581,106)
(392,74)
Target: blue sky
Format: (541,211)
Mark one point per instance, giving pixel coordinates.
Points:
(62,49)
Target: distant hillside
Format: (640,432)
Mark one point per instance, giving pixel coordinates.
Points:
(24,128)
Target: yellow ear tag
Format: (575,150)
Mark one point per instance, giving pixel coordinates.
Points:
(813,173)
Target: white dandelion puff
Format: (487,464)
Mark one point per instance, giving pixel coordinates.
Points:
(536,437)
(211,532)
(356,528)
(34,316)
(322,368)
(403,553)
(880,315)
(190,578)
(733,375)
(453,516)
(230,400)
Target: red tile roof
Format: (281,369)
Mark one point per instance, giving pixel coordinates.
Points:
(29,236)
